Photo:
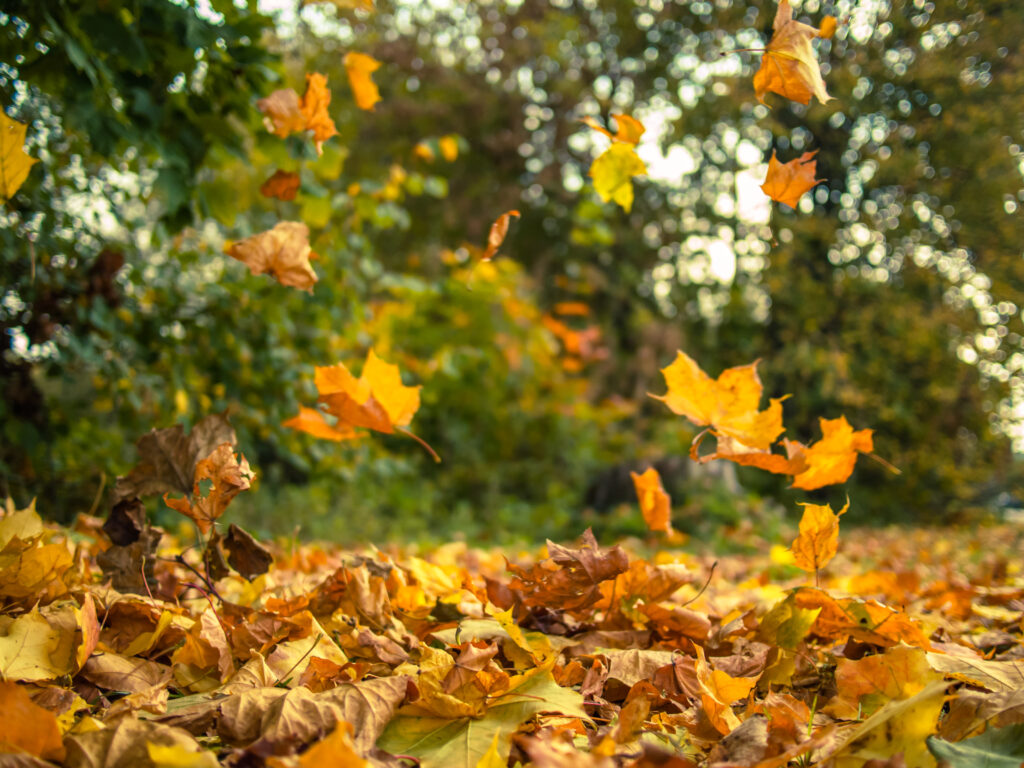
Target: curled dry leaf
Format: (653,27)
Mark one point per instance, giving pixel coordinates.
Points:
(230,475)
(498,232)
(789,66)
(283,185)
(313,106)
(283,252)
(360,68)
(655,503)
(788,182)
(245,554)
(819,536)
(728,404)
(14,163)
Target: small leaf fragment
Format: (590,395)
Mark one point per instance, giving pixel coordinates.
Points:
(360,68)
(655,503)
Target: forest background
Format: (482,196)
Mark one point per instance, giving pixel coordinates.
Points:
(893,294)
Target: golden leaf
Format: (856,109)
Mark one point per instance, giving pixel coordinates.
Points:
(360,67)
(282,113)
(283,252)
(314,110)
(312,422)
(655,503)
(230,476)
(613,173)
(14,163)
(819,536)
(831,459)
(787,182)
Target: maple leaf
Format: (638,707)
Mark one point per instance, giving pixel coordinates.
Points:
(655,503)
(727,404)
(789,66)
(314,110)
(30,649)
(312,422)
(377,400)
(26,726)
(283,185)
(360,68)
(14,162)
(787,182)
(628,129)
(819,536)
(831,459)
(230,476)
(719,691)
(613,173)
(283,252)
(498,232)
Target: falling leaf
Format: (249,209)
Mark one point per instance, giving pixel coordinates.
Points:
(613,173)
(14,162)
(363,5)
(655,503)
(230,476)
(312,422)
(787,182)
(27,727)
(313,107)
(283,185)
(377,400)
(246,555)
(283,252)
(828,27)
(360,68)
(496,235)
(282,113)
(789,66)
(819,536)
(831,459)
(449,146)
(168,458)
(629,129)
(727,404)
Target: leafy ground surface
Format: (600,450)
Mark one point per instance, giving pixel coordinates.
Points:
(908,647)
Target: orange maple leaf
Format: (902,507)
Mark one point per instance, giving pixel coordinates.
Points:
(831,459)
(628,129)
(729,404)
(655,503)
(283,185)
(313,106)
(789,66)
(818,540)
(787,182)
(377,400)
(230,477)
(312,422)
(283,252)
(360,68)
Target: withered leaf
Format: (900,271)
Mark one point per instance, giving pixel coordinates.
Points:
(498,232)
(283,185)
(282,252)
(789,66)
(230,475)
(245,554)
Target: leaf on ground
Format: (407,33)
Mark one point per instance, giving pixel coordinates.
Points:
(360,68)
(789,66)
(27,727)
(818,540)
(31,649)
(996,676)
(728,404)
(655,503)
(719,691)
(126,745)
(168,458)
(787,182)
(282,252)
(117,672)
(995,748)
(864,685)
(230,475)
(14,162)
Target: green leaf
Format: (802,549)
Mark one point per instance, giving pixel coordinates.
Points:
(461,743)
(995,748)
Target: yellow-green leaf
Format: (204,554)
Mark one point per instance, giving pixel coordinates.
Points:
(613,174)
(14,163)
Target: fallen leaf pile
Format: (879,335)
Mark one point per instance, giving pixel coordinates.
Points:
(911,647)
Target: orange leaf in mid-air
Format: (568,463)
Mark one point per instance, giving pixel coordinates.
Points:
(789,66)
(282,113)
(360,67)
(283,185)
(377,400)
(283,252)
(629,129)
(312,422)
(831,459)
(787,182)
(498,232)
(729,404)
(313,106)
(818,540)
(230,476)
(655,503)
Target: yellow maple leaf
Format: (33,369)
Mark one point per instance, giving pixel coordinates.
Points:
(14,163)
(360,68)
(719,691)
(818,540)
(613,173)
(831,459)
(30,649)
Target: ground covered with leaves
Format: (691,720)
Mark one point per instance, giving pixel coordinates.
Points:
(906,651)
